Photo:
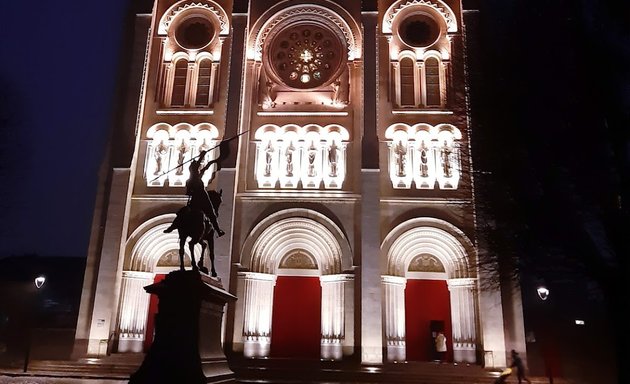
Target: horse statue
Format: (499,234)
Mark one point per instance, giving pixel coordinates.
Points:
(191,222)
(216,198)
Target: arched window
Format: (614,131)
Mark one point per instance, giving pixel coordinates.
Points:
(407,89)
(179,83)
(432,77)
(202,98)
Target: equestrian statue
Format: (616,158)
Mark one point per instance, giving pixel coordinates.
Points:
(197,220)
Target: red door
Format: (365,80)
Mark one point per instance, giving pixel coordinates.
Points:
(426,301)
(153,307)
(296,319)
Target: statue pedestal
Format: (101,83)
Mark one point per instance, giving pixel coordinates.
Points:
(187,344)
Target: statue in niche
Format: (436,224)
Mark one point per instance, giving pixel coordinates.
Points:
(289,156)
(204,147)
(268,158)
(332,158)
(336,86)
(401,152)
(312,153)
(424,166)
(159,153)
(268,97)
(445,153)
(182,150)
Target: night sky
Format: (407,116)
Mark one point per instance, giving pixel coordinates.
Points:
(58,75)
(57,78)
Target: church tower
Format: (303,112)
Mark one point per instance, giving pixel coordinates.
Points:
(348,196)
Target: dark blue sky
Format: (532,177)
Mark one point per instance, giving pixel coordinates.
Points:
(58,74)
(57,77)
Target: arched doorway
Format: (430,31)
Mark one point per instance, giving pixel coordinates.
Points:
(428,287)
(151,255)
(298,290)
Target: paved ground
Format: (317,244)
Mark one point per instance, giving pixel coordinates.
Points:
(50,380)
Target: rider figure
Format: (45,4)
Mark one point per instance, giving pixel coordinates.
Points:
(198,197)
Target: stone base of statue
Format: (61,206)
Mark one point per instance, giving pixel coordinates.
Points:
(187,344)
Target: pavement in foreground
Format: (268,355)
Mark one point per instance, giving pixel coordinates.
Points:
(116,370)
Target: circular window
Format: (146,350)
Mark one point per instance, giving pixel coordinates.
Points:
(306,55)
(194,33)
(419,31)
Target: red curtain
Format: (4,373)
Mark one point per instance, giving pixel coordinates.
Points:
(296,319)
(426,300)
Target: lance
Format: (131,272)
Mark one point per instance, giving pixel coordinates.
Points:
(193,158)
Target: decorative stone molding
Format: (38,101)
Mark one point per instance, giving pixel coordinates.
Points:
(209,6)
(292,156)
(438,5)
(333,319)
(134,309)
(424,154)
(169,146)
(295,233)
(293,14)
(426,263)
(430,240)
(394,299)
(464,315)
(258,306)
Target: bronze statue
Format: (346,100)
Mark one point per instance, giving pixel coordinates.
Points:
(198,219)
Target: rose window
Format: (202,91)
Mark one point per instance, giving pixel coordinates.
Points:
(306,56)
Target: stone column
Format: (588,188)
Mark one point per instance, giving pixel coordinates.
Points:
(133,311)
(257,307)
(464,319)
(335,301)
(394,298)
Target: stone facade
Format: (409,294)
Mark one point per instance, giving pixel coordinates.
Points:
(352,165)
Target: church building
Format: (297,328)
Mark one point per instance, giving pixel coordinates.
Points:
(347,194)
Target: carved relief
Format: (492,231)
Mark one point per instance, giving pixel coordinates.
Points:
(426,263)
(298,260)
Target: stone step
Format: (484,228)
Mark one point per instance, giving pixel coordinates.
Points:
(120,367)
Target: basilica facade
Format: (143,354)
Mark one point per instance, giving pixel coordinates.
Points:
(348,193)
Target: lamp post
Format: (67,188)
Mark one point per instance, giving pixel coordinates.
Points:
(39,283)
(543,294)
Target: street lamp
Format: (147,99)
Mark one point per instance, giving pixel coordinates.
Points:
(39,283)
(543,293)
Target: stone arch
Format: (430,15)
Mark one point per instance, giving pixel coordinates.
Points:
(286,231)
(143,249)
(431,236)
(219,16)
(438,6)
(456,252)
(328,13)
(148,243)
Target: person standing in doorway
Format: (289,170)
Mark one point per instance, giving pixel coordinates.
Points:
(440,347)
(517,363)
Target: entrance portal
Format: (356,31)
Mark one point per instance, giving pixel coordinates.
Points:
(296,319)
(426,301)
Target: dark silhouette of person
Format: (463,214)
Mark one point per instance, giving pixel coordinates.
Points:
(517,363)
(198,197)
